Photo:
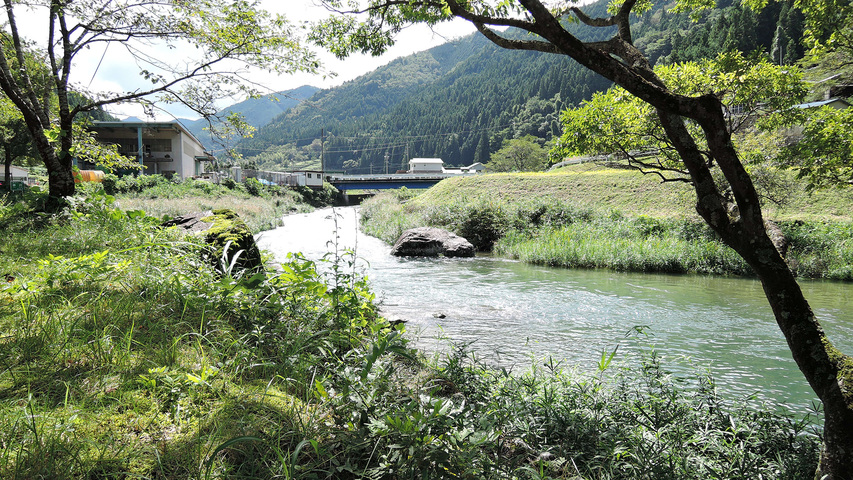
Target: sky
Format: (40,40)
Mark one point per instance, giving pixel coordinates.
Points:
(109,68)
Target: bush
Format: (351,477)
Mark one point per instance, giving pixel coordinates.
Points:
(322,197)
(229,183)
(110,183)
(253,186)
(483,224)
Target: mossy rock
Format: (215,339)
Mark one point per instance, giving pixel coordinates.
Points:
(229,232)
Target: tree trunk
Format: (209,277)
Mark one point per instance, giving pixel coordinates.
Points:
(7,170)
(827,370)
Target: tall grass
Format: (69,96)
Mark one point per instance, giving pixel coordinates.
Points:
(260,206)
(563,234)
(124,355)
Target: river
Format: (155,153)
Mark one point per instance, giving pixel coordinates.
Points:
(512,312)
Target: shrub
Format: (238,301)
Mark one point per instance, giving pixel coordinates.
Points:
(253,186)
(483,224)
(110,182)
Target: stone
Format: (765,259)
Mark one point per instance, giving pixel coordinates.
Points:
(431,242)
(228,236)
(191,222)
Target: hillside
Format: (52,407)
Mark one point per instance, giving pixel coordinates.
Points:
(257,111)
(461,100)
(624,190)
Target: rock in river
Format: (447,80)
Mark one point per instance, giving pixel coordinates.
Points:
(431,242)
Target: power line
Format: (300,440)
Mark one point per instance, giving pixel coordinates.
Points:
(395,141)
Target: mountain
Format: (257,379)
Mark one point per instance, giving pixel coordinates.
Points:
(460,101)
(256,111)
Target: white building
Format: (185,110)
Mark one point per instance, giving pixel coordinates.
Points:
(474,168)
(20,177)
(164,148)
(426,165)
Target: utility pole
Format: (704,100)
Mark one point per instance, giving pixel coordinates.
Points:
(323,150)
(386,163)
(406,157)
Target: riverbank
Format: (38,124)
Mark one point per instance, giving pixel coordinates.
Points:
(126,356)
(589,216)
(260,206)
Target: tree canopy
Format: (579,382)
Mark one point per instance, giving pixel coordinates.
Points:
(523,154)
(617,122)
(191,53)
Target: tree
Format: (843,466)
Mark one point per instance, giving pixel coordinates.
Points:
(226,37)
(617,122)
(694,124)
(14,137)
(824,153)
(523,154)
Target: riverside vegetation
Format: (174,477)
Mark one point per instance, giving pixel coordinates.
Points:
(592,216)
(123,354)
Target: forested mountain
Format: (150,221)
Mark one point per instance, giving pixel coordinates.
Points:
(461,100)
(257,111)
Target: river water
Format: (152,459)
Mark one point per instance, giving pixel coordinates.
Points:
(513,312)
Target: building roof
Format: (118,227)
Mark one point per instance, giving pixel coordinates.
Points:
(822,103)
(175,126)
(427,160)
(16,171)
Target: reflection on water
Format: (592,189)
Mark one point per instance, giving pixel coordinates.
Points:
(511,311)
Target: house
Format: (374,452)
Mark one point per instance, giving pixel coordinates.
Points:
(836,103)
(474,168)
(20,177)
(426,165)
(164,148)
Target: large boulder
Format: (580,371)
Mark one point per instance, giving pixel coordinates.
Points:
(431,242)
(233,249)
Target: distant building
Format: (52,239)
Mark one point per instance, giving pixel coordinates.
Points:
(164,148)
(306,178)
(474,168)
(836,103)
(313,179)
(436,165)
(426,165)
(795,134)
(20,177)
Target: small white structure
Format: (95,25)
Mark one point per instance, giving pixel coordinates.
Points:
(426,165)
(165,148)
(836,103)
(313,178)
(474,168)
(19,174)
(20,177)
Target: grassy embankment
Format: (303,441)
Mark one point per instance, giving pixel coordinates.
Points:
(123,354)
(588,216)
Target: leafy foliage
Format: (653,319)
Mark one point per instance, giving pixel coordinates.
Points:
(823,153)
(461,101)
(617,122)
(519,155)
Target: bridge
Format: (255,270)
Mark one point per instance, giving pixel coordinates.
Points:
(388,181)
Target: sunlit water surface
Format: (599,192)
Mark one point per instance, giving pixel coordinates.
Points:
(512,312)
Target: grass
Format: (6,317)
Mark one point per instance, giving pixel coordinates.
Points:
(259,206)
(589,216)
(124,355)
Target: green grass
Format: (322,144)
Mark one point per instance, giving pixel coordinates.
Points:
(124,355)
(589,216)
